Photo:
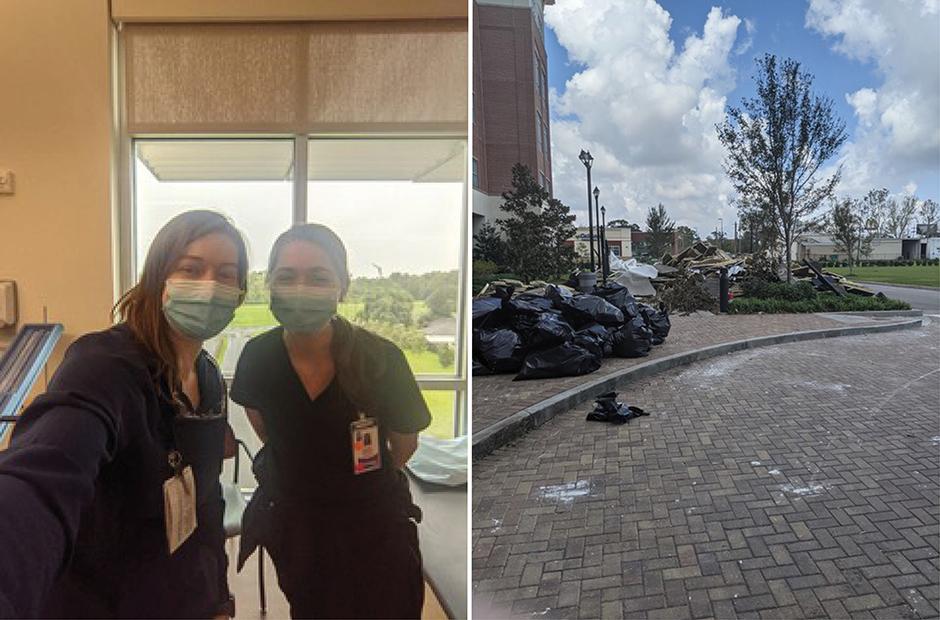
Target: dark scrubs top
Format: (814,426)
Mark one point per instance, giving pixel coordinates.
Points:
(82,530)
(309,441)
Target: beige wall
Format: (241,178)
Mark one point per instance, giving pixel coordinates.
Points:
(55,135)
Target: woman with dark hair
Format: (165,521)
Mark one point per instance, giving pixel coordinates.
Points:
(110,502)
(339,411)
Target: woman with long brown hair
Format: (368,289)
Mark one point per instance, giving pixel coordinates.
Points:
(339,411)
(110,502)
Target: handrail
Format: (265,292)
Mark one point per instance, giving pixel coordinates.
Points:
(20,366)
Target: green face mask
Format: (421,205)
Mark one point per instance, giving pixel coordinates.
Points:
(304,309)
(200,309)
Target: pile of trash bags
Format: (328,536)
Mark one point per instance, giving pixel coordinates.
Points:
(555,332)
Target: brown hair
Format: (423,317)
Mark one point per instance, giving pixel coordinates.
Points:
(354,349)
(141,307)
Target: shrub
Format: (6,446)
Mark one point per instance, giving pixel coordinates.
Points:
(823,302)
(761,289)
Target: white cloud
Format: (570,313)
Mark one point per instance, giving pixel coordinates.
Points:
(898,133)
(645,109)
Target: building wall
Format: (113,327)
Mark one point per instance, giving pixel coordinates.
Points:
(506,96)
(55,231)
(882,249)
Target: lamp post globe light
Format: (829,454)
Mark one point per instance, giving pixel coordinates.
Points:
(587,160)
(597,220)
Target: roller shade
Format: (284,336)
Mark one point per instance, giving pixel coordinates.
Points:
(296,78)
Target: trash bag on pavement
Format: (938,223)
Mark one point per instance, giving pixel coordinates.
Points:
(500,350)
(607,409)
(583,309)
(484,311)
(618,296)
(595,338)
(479,369)
(548,330)
(565,360)
(657,321)
(634,339)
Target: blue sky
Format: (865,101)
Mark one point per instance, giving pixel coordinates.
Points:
(642,85)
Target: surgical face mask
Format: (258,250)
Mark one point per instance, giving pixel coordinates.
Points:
(200,309)
(304,309)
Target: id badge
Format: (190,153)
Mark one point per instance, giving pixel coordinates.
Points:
(179,506)
(365,444)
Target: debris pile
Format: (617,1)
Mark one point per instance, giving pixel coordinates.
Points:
(552,331)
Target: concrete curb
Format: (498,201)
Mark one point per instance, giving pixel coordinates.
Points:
(914,286)
(509,429)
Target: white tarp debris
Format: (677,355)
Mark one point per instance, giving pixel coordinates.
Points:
(633,275)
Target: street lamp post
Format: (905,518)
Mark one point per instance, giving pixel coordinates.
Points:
(597,219)
(587,160)
(605,260)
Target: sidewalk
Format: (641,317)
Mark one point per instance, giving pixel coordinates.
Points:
(792,481)
(497,397)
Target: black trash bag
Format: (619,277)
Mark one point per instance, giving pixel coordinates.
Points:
(581,310)
(531,300)
(565,360)
(572,281)
(618,296)
(657,321)
(527,303)
(634,339)
(549,329)
(595,339)
(500,350)
(607,409)
(487,312)
(479,369)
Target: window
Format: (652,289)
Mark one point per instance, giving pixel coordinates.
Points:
(397,204)
(538,129)
(234,177)
(615,250)
(476,174)
(542,177)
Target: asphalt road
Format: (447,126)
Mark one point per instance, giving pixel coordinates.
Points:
(924,299)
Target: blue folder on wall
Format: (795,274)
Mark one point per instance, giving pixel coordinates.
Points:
(20,366)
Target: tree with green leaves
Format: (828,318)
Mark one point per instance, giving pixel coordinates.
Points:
(846,227)
(489,246)
(899,216)
(536,232)
(623,224)
(686,237)
(929,213)
(776,144)
(660,230)
(386,304)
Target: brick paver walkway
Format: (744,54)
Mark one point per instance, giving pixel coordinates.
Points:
(497,396)
(798,480)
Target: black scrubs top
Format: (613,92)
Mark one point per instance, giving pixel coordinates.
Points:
(82,529)
(309,442)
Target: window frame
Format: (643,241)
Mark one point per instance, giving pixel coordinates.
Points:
(124,224)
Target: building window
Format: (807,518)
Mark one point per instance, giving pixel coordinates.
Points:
(476,174)
(473,107)
(538,129)
(545,139)
(542,177)
(615,250)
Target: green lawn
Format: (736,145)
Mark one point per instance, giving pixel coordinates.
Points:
(922,275)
